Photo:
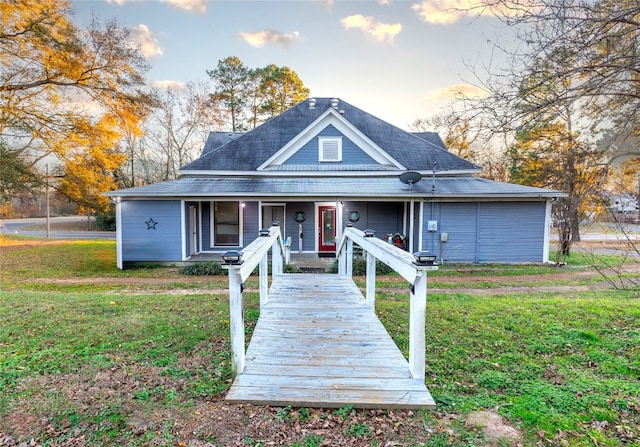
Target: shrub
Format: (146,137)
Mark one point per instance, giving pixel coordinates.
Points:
(203,269)
(215,269)
(360,267)
(106,220)
(290,268)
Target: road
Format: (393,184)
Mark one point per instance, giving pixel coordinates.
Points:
(16,227)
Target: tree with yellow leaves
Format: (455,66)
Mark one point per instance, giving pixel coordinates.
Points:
(67,93)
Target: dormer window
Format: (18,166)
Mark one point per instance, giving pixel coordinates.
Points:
(329,149)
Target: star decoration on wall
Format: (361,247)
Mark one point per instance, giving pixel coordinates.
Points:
(151,224)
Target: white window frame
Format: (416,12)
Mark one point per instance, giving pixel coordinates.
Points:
(322,156)
(212,208)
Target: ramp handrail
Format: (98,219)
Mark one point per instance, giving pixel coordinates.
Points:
(403,263)
(254,254)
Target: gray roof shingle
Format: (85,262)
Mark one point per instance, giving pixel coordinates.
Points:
(246,152)
(334,187)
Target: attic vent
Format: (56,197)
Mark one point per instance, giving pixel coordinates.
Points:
(329,149)
(334,103)
(312,103)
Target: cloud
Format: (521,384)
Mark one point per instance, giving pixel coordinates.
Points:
(457,91)
(188,5)
(261,38)
(371,27)
(179,87)
(446,12)
(146,39)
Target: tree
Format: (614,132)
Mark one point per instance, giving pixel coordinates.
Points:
(551,155)
(282,89)
(465,138)
(58,84)
(573,74)
(600,63)
(454,130)
(91,160)
(16,176)
(253,95)
(231,78)
(177,130)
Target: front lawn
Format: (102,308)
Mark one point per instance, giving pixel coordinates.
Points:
(90,355)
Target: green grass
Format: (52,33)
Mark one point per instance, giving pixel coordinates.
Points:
(135,362)
(554,363)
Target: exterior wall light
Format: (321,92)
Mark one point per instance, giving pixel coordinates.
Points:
(424,258)
(369,232)
(264,232)
(232,257)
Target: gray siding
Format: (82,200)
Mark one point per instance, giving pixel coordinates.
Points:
(139,242)
(486,231)
(351,154)
(308,226)
(459,222)
(384,217)
(511,232)
(249,222)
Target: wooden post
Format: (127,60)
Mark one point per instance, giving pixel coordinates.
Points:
(349,259)
(418,309)
(264,281)
(287,251)
(276,258)
(236,321)
(371,280)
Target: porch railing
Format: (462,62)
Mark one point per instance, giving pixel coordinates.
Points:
(403,263)
(253,255)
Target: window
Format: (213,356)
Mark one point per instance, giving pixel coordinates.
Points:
(330,148)
(226,224)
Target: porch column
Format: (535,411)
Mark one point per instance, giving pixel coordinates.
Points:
(338,222)
(119,262)
(411,225)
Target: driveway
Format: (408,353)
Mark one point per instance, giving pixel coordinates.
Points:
(24,227)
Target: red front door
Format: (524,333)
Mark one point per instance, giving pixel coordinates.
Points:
(327,229)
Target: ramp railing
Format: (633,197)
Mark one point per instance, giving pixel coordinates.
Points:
(240,265)
(409,267)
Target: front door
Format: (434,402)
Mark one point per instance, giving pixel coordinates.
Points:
(327,229)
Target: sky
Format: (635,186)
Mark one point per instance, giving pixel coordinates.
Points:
(396,59)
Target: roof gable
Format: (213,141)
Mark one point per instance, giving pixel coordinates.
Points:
(330,119)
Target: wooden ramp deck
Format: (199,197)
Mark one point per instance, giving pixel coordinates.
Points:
(318,344)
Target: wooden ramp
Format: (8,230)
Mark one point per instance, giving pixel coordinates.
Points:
(317,344)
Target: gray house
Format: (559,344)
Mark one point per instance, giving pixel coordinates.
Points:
(319,166)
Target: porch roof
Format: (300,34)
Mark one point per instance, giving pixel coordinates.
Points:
(333,187)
